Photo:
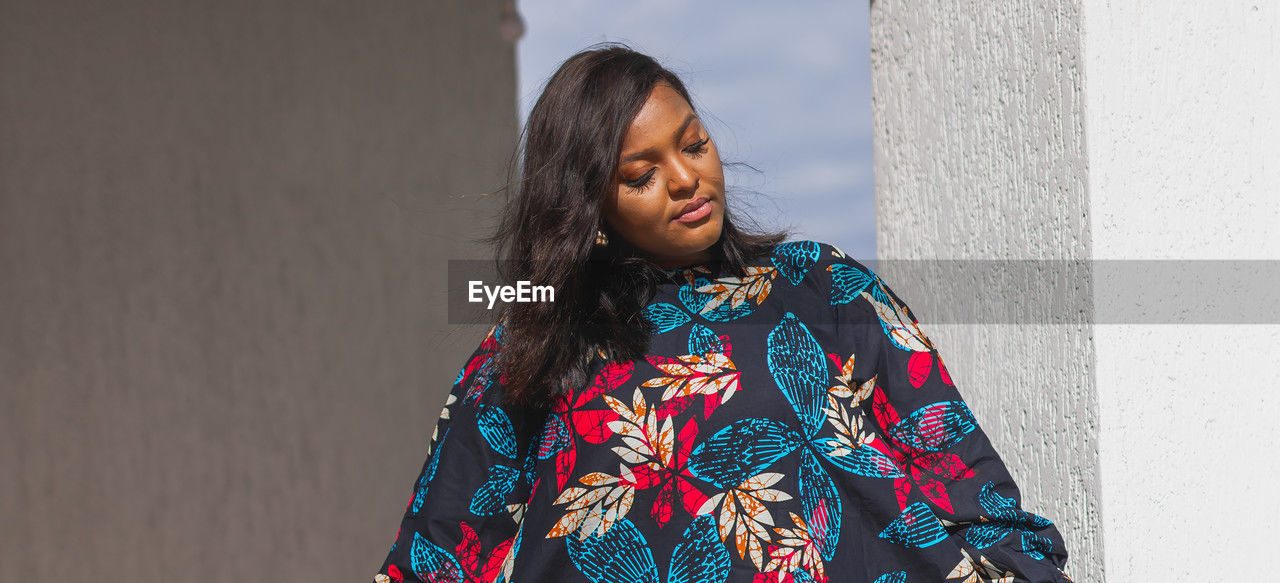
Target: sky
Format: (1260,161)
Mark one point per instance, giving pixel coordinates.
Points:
(784,87)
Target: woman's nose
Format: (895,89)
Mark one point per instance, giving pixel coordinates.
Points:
(683,178)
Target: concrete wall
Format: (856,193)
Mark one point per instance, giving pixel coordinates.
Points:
(1183,126)
(222,226)
(1109,131)
(980,155)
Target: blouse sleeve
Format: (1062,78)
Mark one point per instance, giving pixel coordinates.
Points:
(462,520)
(950,485)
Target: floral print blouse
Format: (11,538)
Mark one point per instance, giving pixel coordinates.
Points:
(792,425)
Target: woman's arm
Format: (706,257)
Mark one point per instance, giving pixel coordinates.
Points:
(950,485)
(462,519)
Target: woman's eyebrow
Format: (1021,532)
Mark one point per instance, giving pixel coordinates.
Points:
(648,151)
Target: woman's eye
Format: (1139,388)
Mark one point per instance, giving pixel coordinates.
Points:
(699,148)
(641,183)
(696,150)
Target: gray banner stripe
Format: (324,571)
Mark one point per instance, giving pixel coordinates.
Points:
(1073,292)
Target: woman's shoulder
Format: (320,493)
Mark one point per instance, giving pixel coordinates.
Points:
(832,277)
(818,261)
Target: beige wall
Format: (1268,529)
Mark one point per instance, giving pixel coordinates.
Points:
(221,225)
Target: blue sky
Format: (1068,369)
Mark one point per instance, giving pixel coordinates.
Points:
(784,87)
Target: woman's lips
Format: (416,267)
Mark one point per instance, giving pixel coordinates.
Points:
(696,213)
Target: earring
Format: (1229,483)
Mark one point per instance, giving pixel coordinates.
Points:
(601,238)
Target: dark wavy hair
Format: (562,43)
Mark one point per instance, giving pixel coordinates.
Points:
(571,145)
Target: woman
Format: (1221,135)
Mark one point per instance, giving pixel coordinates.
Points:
(700,403)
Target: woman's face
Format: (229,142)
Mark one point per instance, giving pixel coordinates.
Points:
(668,163)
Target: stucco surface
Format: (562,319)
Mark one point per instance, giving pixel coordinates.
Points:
(979,155)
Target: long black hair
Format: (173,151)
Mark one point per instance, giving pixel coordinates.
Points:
(547,234)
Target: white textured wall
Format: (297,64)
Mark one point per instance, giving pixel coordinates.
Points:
(980,154)
(1183,126)
(1150,441)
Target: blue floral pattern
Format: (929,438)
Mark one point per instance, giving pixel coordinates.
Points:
(790,423)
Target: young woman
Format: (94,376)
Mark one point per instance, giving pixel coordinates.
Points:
(700,403)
